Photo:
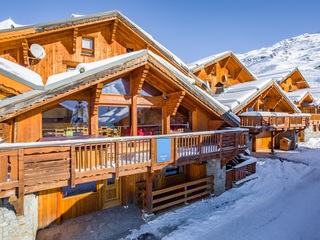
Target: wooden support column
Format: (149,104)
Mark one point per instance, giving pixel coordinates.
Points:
(165,120)
(195,121)
(272,142)
(137,79)
(94,104)
(149,196)
(134,116)
(256,106)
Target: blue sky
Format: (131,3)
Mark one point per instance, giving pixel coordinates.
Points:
(190,29)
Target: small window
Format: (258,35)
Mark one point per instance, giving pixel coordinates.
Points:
(171,170)
(87,46)
(129,50)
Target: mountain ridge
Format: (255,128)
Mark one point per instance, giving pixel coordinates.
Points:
(302,52)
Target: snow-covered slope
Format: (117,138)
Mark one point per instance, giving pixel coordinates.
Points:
(302,51)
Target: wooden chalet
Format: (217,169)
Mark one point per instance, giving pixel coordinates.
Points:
(302,95)
(105,116)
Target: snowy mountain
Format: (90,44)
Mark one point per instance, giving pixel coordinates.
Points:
(302,52)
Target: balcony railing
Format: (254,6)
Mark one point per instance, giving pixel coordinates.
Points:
(315,119)
(36,166)
(271,121)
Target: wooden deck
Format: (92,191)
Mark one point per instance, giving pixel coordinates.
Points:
(257,122)
(33,167)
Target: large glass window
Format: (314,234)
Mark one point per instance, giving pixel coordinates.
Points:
(149,90)
(115,119)
(119,86)
(149,121)
(181,122)
(67,116)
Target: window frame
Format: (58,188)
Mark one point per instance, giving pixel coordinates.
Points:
(87,51)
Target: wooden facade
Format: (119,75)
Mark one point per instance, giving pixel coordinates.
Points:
(222,70)
(123,80)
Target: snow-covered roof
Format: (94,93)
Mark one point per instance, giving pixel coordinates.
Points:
(91,71)
(280,75)
(208,60)
(298,95)
(20,74)
(8,24)
(204,62)
(272,114)
(238,95)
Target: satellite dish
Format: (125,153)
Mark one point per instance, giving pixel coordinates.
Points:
(37,51)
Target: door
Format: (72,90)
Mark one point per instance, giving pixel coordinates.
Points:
(111,194)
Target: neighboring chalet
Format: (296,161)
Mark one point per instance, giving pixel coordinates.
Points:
(253,100)
(95,113)
(221,71)
(306,98)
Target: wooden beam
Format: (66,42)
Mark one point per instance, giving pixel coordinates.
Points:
(74,39)
(95,97)
(173,102)
(114,30)
(139,75)
(278,102)
(25,50)
(267,92)
(69,63)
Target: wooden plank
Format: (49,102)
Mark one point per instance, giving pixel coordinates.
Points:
(46,157)
(7,193)
(4,169)
(46,186)
(73,166)
(8,185)
(32,151)
(42,179)
(93,178)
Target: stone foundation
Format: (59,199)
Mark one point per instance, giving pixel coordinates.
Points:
(14,227)
(214,168)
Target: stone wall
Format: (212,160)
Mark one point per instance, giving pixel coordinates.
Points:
(214,168)
(22,227)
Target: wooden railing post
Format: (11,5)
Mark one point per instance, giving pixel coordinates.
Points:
(19,204)
(153,154)
(116,159)
(73,166)
(200,139)
(4,168)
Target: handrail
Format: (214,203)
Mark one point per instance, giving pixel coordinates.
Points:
(70,142)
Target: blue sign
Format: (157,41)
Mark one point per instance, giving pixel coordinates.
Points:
(163,150)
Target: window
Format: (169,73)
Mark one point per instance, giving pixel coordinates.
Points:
(171,170)
(87,46)
(119,86)
(114,117)
(65,115)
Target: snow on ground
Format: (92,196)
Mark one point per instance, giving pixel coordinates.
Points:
(282,203)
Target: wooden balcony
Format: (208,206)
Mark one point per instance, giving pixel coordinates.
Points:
(315,119)
(36,166)
(257,122)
